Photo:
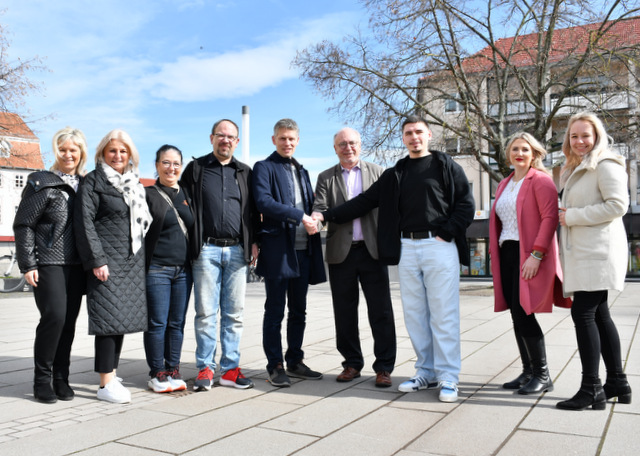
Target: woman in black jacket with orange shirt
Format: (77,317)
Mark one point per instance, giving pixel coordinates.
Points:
(169,277)
(47,255)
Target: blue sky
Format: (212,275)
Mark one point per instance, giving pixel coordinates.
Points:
(165,70)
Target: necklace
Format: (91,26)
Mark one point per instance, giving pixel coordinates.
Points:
(514,184)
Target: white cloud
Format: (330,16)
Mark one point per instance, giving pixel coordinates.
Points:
(243,72)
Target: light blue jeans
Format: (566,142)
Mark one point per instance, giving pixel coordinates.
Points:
(220,280)
(429,273)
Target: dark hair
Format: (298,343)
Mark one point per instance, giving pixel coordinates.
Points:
(215,125)
(165,148)
(413,119)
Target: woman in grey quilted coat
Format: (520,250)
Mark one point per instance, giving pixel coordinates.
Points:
(47,255)
(111,219)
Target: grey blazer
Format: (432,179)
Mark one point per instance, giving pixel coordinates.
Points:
(331,191)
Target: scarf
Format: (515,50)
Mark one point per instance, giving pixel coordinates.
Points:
(72,180)
(129,186)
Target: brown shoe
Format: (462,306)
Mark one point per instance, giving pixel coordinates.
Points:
(348,374)
(383,379)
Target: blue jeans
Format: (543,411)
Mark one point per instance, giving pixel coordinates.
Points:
(168,292)
(429,273)
(220,280)
(291,293)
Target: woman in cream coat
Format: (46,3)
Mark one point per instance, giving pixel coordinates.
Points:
(594,255)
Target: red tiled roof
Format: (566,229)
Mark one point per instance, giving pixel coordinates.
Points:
(566,42)
(25,146)
(147,181)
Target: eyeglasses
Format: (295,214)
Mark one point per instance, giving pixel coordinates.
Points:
(344,144)
(168,164)
(229,138)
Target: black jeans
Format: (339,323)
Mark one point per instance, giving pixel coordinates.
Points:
(596,333)
(58,297)
(292,294)
(374,279)
(108,349)
(524,325)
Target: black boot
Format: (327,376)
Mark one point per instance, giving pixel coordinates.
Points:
(62,389)
(590,394)
(43,392)
(527,372)
(618,386)
(541,380)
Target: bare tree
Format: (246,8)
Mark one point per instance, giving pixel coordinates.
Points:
(15,83)
(478,72)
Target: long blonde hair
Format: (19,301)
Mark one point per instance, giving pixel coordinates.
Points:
(538,151)
(120,135)
(601,144)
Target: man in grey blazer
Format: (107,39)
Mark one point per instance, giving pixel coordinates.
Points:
(352,255)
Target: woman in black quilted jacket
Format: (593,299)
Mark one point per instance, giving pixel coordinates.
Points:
(47,255)
(111,219)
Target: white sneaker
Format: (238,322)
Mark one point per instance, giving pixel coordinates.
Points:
(448,392)
(416,383)
(160,383)
(114,392)
(177,384)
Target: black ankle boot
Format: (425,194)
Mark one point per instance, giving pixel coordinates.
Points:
(541,379)
(618,386)
(43,392)
(590,394)
(527,372)
(62,389)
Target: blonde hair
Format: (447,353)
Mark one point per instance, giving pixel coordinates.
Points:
(75,136)
(537,150)
(601,144)
(120,135)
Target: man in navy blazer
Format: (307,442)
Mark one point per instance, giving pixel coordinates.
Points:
(290,256)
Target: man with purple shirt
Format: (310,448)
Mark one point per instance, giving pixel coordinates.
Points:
(352,255)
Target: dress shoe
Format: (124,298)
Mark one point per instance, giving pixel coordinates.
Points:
(383,379)
(62,389)
(43,392)
(348,374)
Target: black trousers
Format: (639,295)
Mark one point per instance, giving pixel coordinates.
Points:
(524,325)
(58,297)
(374,279)
(108,349)
(596,333)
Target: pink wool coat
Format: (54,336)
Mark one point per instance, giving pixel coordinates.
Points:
(537,210)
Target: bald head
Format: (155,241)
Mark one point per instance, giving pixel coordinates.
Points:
(347,146)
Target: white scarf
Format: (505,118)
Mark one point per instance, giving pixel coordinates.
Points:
(128,184)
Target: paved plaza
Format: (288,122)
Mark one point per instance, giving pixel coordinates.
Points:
(322,417)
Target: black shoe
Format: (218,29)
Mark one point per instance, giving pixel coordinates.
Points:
(301,370)
(541,381)
(63,390)
(43,392)
(519,381)
(618,386)
(590,395)
(278,377)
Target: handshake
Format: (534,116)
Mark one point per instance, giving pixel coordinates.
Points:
(313,222)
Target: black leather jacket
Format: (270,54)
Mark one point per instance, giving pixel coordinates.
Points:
(43,225)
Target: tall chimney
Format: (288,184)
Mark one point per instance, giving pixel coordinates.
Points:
(245,135)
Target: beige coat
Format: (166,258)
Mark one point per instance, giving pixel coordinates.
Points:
(594,251)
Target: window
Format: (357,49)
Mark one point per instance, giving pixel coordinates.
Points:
(5,148)
(19,181)
(451,104)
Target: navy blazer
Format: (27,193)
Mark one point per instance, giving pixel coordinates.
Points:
(274,196)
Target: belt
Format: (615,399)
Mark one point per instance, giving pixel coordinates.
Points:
(357,244)
(418,234)
(222,242)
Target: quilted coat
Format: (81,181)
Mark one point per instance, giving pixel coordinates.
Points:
(44,223)
(102,228)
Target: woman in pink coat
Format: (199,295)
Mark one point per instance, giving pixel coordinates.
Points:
(526,270)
